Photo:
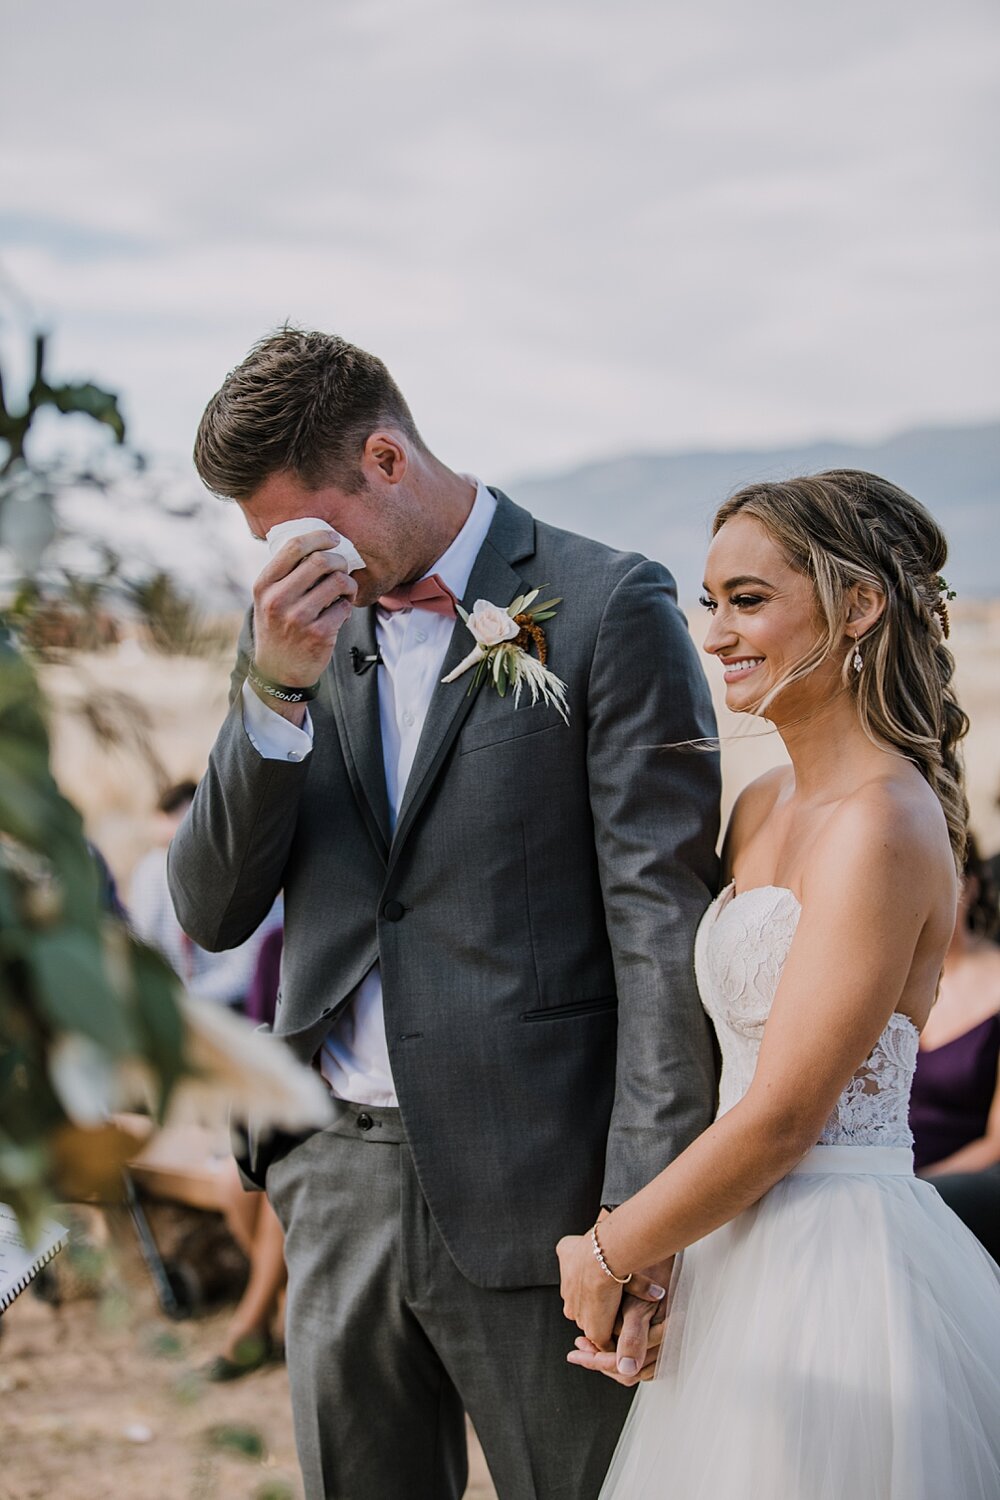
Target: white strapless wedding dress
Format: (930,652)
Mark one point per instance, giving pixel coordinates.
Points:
(840,1340)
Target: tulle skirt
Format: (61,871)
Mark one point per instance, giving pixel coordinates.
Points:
(838,1341)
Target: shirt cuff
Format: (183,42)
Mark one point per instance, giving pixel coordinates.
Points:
(272,735)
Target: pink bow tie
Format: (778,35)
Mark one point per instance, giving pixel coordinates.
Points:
(427,593)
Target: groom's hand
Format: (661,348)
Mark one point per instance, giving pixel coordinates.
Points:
(638,1320)
(639,1334)
(301,600)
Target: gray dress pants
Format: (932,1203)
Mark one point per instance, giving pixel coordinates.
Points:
(389,1344)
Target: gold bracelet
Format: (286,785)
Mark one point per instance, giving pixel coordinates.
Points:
(599,1257)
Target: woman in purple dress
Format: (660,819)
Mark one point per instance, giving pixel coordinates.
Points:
(955,1103)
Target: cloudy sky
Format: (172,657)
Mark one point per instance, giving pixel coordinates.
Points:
(571,228)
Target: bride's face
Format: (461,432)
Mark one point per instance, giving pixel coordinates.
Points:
(764,621)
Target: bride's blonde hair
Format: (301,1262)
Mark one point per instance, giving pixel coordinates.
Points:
(846,527)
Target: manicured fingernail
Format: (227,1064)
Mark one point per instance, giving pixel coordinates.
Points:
(656,1292)
(628,1367)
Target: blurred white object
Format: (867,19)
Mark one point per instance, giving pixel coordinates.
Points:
(234,1070)
(245,1071)
(27,519)
(137,1432)
(280,534)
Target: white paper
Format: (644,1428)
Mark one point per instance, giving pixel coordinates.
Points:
(279,535)
(20,1262)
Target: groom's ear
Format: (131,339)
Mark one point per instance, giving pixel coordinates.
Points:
(865,607)
(384,459)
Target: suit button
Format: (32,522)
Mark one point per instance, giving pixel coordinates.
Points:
(365,1122)
(393,910)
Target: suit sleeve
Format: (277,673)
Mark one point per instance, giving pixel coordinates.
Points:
(654,793)
(227,860)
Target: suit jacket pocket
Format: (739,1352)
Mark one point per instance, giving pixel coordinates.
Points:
(574,1008)
(516,724)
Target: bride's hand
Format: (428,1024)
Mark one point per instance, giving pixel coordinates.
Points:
(591,1299)
(638,1334)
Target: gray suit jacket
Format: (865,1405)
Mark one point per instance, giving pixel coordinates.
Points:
(533,916)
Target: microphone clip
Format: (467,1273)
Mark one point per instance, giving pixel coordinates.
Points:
(362,663)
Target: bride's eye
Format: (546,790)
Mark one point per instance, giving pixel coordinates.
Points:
(746,601)
(709,604)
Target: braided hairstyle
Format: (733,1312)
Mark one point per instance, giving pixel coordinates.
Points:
(846,527)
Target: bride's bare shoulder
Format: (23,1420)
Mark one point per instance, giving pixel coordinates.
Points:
(755,803)
(891,827)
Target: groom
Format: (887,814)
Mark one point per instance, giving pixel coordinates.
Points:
(489,919)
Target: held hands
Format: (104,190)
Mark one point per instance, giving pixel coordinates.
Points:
(301,599)
(597,1305)
(639,1332)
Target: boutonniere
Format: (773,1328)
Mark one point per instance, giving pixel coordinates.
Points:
(504,638)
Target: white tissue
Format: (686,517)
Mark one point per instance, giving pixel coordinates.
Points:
(279,535)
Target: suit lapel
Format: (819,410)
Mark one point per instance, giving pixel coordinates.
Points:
(359,726)
(510,539)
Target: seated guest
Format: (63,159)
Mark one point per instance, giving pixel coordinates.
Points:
(955,1104)
(252,1220)
(224,977)
(183,1165)
(262,996)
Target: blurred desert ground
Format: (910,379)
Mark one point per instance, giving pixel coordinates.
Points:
(104,1398)
(185,701)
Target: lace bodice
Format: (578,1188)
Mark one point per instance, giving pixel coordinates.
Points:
(740,950)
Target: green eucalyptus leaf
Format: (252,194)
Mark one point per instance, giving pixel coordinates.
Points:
(74,991)
(158,1018)
(87,400)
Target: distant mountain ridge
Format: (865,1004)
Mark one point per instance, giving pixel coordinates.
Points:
(662,503)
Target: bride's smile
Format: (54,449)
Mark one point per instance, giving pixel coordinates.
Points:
(764,624)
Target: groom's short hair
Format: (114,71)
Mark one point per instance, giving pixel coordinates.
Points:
(300,402)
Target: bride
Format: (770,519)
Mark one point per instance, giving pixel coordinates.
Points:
(833,1330)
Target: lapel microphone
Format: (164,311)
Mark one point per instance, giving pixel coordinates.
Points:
(362,663)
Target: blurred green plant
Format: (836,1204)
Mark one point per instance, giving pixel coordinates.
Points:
(230,1437)
(83,398)
(172,620)
(275,1489)
(65,609)
(83,1004)
(82,1001)
(75,617)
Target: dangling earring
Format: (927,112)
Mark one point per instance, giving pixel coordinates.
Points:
(856,660)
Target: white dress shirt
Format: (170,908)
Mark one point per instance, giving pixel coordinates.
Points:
(354,1059)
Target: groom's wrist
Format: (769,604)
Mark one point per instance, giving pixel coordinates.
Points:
(280,692)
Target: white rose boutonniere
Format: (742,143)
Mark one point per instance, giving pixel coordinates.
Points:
(503,641)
